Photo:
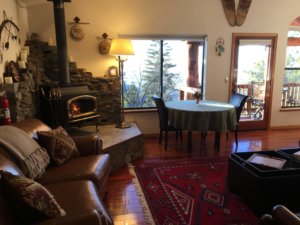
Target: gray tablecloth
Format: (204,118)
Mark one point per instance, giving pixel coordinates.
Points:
(204,116)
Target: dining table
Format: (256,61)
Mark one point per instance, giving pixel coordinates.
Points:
(203,116)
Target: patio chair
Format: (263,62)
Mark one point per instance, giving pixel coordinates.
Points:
(164,125)
(238,101)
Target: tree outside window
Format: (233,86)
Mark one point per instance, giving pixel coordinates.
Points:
(159,67)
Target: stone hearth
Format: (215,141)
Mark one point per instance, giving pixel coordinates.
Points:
(123,145)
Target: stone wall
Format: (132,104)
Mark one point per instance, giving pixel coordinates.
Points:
(22,96)
(109,100)
(42,69)
(23,100)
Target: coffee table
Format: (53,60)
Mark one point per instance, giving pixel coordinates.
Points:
(264,187)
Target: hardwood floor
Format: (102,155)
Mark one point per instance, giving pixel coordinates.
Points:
(123,202)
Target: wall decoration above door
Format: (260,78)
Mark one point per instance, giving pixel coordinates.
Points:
(236,17)
(229,8)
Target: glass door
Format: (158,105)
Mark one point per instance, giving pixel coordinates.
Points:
(251,74)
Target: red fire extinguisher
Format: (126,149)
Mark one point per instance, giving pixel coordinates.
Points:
(6,120)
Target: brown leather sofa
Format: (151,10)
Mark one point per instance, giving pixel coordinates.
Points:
(281,215)
(78,185)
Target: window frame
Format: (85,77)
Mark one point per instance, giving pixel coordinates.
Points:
(164,37)
(289,68)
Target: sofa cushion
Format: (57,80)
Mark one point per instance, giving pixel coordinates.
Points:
(94,168)
(59,144)
(31,126)
(77,197)
(29,199)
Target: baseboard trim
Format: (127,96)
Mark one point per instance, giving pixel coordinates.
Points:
(171,134)
(285,127)
(150,135)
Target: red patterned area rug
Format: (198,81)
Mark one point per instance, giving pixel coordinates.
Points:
(189,192)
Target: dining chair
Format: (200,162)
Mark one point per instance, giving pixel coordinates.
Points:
(238,101)
(164,125)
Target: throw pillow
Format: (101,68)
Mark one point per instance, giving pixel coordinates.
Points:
(29,200)
(59,144)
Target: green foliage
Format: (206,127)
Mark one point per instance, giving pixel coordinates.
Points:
(132,94)
(292,61)
(169,79)
(292,76)
(151,73)
(147,82)
(257,71)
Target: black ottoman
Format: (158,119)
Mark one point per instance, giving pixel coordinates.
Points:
(264,187)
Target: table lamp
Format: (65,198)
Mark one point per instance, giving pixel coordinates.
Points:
(121,48)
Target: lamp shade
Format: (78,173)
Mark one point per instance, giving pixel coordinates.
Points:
(121,47)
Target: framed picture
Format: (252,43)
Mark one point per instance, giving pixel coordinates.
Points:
(113,71)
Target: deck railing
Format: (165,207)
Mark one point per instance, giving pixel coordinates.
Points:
(290,95)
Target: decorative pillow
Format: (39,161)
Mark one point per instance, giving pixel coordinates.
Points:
(59,145)
(30,200)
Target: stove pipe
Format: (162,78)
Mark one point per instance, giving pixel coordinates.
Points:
(61,40)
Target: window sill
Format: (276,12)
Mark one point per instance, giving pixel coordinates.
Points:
(289,109)
(139,110)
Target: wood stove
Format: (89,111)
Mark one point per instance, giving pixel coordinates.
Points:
(68,105)
(63,103)
(81,106)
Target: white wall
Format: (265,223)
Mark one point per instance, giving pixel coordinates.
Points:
(173,17)
(18,14)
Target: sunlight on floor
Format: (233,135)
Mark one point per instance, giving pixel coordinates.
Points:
(249,145)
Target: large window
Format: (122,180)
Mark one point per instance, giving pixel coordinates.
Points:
(291,82)
(161,67)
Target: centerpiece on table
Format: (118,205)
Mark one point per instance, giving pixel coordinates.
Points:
(197,96)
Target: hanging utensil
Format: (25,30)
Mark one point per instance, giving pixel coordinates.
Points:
(6,45)
(7,24)
(1,57)
(13,37)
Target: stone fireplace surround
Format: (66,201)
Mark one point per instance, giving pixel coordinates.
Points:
(42,69)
